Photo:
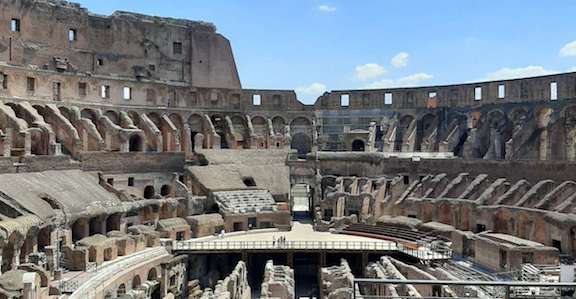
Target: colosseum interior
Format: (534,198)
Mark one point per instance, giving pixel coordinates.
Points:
(134,165)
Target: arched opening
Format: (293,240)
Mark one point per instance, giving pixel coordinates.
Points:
(136,282)
(113,116)
(113,222)
(135,143)
(44,238)
(241,129)
(149,192)
(180,134)
(249,182)
(196,124)
(402,132)
(427,127)
(79,229)
(302,143)
(152,275)
(95,226)
(166,190)
(121,290)
(220,127)
(279,125)
(358,146)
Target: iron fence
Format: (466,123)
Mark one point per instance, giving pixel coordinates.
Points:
(372,288)
(422,252)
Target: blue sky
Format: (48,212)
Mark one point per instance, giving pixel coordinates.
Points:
(313,45)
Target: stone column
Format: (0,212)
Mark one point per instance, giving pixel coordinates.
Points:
(187,142)
(16,257)
(31,281)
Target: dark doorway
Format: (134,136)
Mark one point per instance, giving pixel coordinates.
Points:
(252,223)
(135,143)
(358,146)
(192,140)
(149,192)
(302,143)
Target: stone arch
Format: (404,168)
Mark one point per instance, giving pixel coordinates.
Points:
(177,121)
(40,132)
(65,111)
(498,131)
(113,116)
(8,252)
(113,222)
(568,115)
(136,282)
(403,131)
(221,130)
(358,145)
(166,190)
(426,133)
(260,126)
(279,124)
(301,125)
(167,132)
(149,192)
(92,115)
(196,124)
(121,290)
(152,274)
(242,134)
(135,117)
(65,133)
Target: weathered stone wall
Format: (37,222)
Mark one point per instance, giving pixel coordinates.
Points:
(151,47)
(133,162)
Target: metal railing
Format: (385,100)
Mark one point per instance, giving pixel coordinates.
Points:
(424,253)
(510,289)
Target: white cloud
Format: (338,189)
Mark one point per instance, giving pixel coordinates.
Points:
(400,60)
(569,49)
(521,72)
(369,71)
(327,8)
(311,91)
(408,81)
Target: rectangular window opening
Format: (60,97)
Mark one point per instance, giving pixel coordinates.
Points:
(105,91)
(553,91)
(256,100)
(4,81)
(131,181)
(501,91)
(432,95)
(72,35)
(30,84)
(477,93)
(82,89)
(127,93)
(57,91)
(177,48)
(388,98)
(15,25)
(345,100)
(100,62)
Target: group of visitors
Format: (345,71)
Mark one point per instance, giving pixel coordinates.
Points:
(281,242)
